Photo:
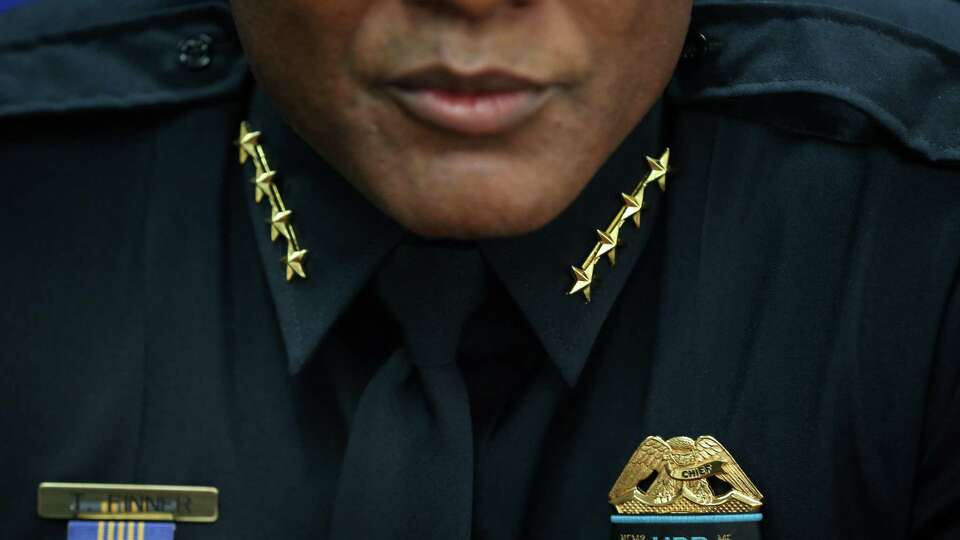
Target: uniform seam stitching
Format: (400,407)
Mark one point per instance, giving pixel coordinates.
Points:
(99,31)
(888,115)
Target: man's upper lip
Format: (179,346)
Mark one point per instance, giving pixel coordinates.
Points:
(444,79)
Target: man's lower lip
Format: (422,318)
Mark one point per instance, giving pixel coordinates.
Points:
(472,114)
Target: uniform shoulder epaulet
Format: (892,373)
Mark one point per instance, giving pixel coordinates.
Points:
(836,68)
(88,55)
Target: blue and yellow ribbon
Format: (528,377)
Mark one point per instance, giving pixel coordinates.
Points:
(120,530)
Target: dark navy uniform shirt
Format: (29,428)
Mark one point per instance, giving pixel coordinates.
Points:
(794,293)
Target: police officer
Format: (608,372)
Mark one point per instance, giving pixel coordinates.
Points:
(367,326)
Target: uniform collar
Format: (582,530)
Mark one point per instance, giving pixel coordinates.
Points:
(348,238)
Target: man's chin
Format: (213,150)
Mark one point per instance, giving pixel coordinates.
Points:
(469,218)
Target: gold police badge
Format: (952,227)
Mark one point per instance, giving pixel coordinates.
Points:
(684,476)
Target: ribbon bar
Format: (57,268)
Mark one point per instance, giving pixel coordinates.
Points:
(119,530)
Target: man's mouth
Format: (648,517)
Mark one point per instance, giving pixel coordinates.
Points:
(482,103)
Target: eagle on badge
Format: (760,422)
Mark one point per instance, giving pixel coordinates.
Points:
(684,476)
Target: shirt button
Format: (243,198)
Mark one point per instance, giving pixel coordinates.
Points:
(196,51)
(696,47)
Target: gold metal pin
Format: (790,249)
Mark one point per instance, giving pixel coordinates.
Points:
(609,238)
(680,468)
(127,502)
(265,187)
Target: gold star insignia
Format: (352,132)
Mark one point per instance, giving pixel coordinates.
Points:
(607,242)
(279,224)
(294,263)
(610,241)
(659,169)
(584,278)
(263,183)
(247,142)
(633,207)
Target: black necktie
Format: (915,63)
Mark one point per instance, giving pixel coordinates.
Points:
(408,467)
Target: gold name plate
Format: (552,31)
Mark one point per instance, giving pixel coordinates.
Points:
(121,502)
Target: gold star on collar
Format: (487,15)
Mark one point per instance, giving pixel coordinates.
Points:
(609,239)
(294,262)
(247,142)
(584,278)
(264,183)
(265,187)
(632,208)
(658,169)
(280,225)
